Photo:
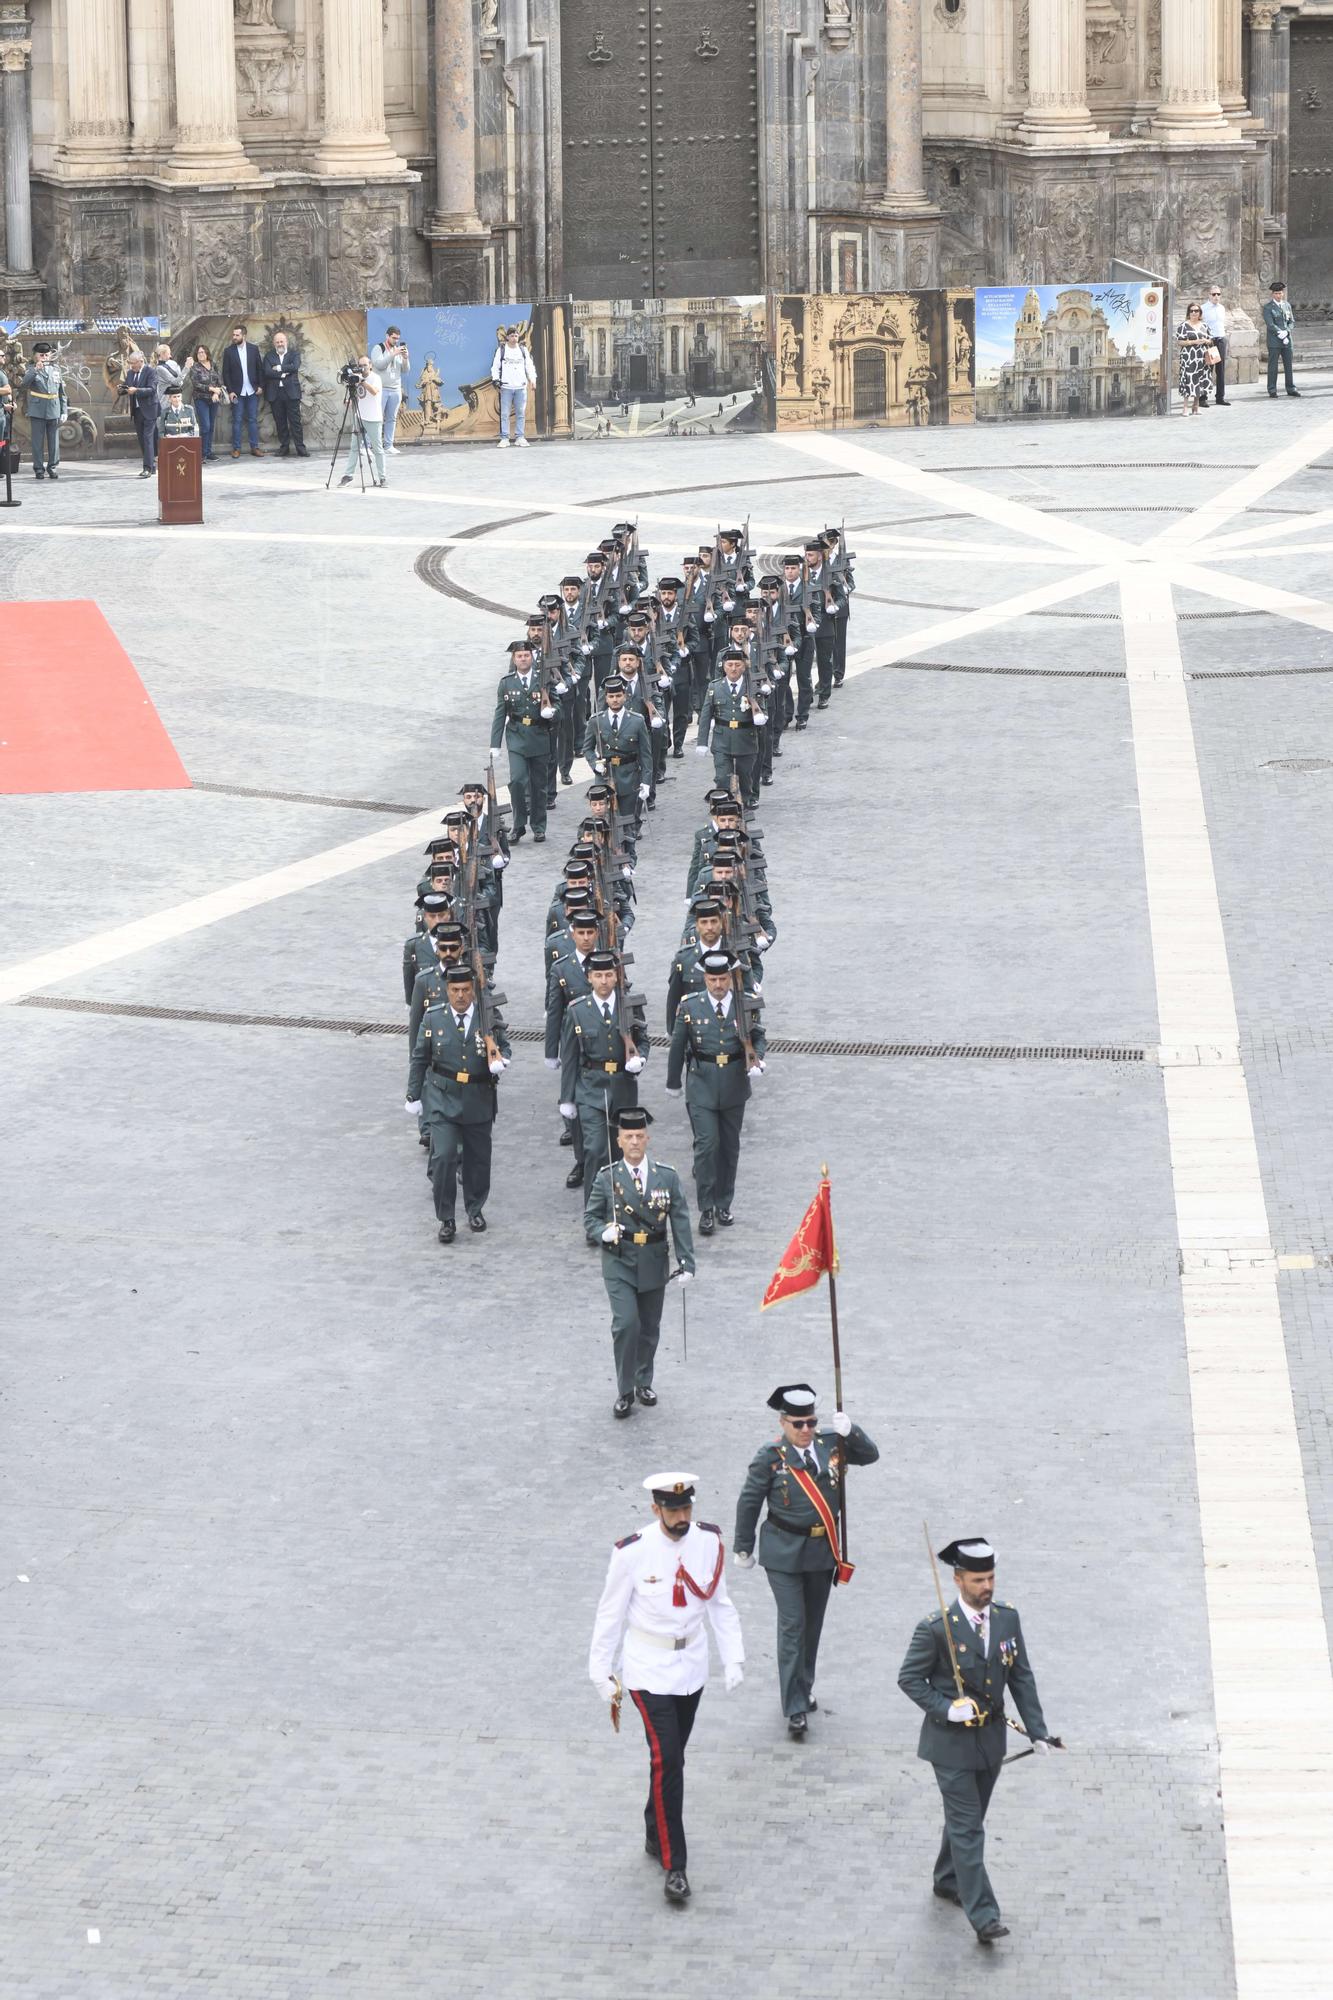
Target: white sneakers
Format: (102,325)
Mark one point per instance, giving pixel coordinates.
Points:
(504,444)
(522,441)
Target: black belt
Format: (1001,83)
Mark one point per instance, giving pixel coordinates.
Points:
(817,1530)
(604,1068)
(720,1060)
(638,1236)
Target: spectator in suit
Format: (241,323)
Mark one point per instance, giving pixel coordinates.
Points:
(206,388)
(139,383)
(45,384)
(282,386)
(242,379)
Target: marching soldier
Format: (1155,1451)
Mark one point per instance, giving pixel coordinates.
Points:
(522,720)
(560,943)
(452,1078)
(636,1207)
(567,980)
(617,745)
(792,598)
(603,1048)
(798,1476)
(686,970)
(833,542)
(664,1587)
(729,716)
(433,907)
(451,943)
(715,879)
(719,799)
(493,837)
(822,597)
(958,1666)
(722,1054)
(695,603)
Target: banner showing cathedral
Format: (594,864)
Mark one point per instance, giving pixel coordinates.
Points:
(872,361)
(448,393)
(1070,351)
(670,367)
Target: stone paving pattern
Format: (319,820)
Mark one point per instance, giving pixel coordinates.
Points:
(313,1513)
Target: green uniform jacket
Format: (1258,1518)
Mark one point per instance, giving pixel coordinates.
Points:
(926,1678)
(626,754)
(662,1213)
(566,982)
(592,1054)
(769,1479)
(1278,318)
(705,847)
(518,720)
(419,955)
(699,1038)
(727,708)
(453,1071)
(687,978)
(763,908)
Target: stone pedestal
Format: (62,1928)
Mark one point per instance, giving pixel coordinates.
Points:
(1057,111)
(97,124)
(1189,109)
(208,146)
(355,144)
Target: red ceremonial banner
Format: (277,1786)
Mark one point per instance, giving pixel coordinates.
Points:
(811,1252)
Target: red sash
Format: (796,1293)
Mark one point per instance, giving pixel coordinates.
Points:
(684,1581)
(808,1486)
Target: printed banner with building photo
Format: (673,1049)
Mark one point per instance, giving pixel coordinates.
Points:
(324,342)
(873,360)
(91,357)
(448,393)
(1070,351)
(670,367)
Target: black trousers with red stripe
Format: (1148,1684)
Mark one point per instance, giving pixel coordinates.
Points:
(667,1722)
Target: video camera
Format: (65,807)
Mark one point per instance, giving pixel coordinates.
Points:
(351,374)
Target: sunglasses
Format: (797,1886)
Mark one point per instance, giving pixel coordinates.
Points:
(803,1423)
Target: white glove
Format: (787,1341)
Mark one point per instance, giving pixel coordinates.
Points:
(495,754)
(644,791)
(762,943)
(701,749)
(732,1677)
(960,1711)
(1040,1747)
(759,717)
(598,765)
(546,713)
(627,869)
(728,604)
(601,626)
(709,616)
(658,722)
(664,680)
(568,1111)
(611,1234)
(552,1062)
(633,1064)
(757,991)
(671,1092)
(412,1106)
(755,1069)
(585,646)
(499,861)
(606,1688)
(684,1277)
(810,625)
(742,1561)
(790,652)
(842,1423)
(498,1067)
(562,687)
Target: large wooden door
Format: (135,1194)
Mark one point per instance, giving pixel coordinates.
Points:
(1309,271)
(660,148)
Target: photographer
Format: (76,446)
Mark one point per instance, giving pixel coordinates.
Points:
(359,379)
(389,359)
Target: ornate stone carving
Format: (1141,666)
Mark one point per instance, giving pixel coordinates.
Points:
(1152,32)
(950,14)
(1071,226)
(1028,261)
(1108,42)
(172,239)
(1137,207)
(255,14)
(837,24)
(104,238)
(918,264)
(268,62)
(1021,45)
(295,251)
(368,240)
(1262,14)
(218,242)
(1202,249)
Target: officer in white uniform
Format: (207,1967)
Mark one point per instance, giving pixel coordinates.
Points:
(664,1587)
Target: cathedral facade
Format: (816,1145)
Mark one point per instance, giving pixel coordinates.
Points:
(177,156)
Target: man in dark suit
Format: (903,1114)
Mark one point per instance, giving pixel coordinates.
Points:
(140,385)
(242,378)
(282,386)
(958,1667)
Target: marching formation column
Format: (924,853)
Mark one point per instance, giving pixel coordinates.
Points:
(1057,108)
(208,145)
(97,122)
(354,141)
(15,50)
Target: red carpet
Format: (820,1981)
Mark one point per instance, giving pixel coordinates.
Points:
(74,715)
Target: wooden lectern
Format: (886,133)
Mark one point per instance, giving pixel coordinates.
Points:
(180,481)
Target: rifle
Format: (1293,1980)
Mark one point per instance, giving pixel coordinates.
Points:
(493,807)
(744,1024)
(625,1001)
(487,1001)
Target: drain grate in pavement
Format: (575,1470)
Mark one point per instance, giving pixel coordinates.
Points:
(1298,764)
(309,799)
(1022,673)
(1253,673)
(778,1045)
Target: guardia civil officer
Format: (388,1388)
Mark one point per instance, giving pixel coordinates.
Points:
(522,721)
(453,1079)
(797,1476)
(665,1586)
(603,1047)
(964,1734)
(708,1038)
(733,722)
(637,1211)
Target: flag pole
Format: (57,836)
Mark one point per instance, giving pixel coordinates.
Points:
(837,1369)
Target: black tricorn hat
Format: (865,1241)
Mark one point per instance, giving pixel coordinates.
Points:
(794,1399)
(972,1552)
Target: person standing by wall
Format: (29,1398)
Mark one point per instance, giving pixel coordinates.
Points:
(1280,323)
(44,383)
(282,386)
(206,389)
(169,377)
(513,373)
(139,383)
(389,359)
(241,378)
(1192,342)
(1218,321)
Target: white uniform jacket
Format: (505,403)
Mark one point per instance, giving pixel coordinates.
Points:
(637,1603)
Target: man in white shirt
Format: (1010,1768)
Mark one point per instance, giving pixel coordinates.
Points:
(664,1587)
(389,358)
(1217,320)
(370,409)
(513,373)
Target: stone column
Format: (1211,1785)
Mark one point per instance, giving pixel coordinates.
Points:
(208,145)
(456,231)
(354,142)
(150,78)
(1188,106)
(905,176)
(1057,111)
(1263,16)
(15,50)
(97,124)
(1230,72)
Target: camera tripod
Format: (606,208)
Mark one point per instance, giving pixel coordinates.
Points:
(352,408)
